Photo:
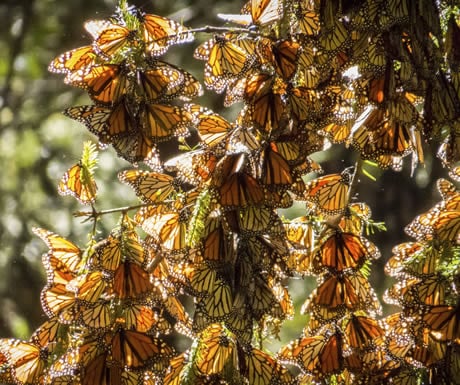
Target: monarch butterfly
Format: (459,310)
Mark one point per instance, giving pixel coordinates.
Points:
(109,37)
(255,219)
(430,291)
(446,189)
(352,292)
(421,227)
(399,11)
(300,232)
(160,32)
(225,60)
(92,346)
(106,123)
(362,331)
(256,12)
(216,350)
(304,102)
(286,53)
(330,192)
(275,168)
(27,360)
(216,245)
(100,370)
(219,303)
(335,38)
(373,60)
(444,322)
(262,300)
(436,223)
(403,254)
(176,310)
(446,227)
(405,251)
(400,335)
(285,301)
(60,248)
(356,216)
(137,147)
(162,82)
(289,149)
(193,167)
(242,137)
(308,67)
(212,128)
(78,182)
(144,319)
(235,91)
(318,355)
(429,351)
(107,254)
(177,366)
(337,132)
(322,316)
(57,271)
(97,315)
(78,59)
(48,333)
(335,291)
(161,122)
(169,227)
(138,350)
(241,190)
(56,300)
(240,322)
(150,187)
(88,287)
(200,278)
(234,185)
(301,237)
(132,246)
(262,369)
(342,251)
(385,137)
(307,19)
(402,109)
(264,97)
(131,281)
(56,297)
(264,249)
(106,84)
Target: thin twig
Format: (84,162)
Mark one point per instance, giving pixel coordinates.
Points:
(96,214)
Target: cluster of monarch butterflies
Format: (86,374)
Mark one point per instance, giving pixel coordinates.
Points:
(210,215)
(132,89)
(425,333)
(342,327)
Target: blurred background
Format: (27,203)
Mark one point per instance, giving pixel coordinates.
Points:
(38,144)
